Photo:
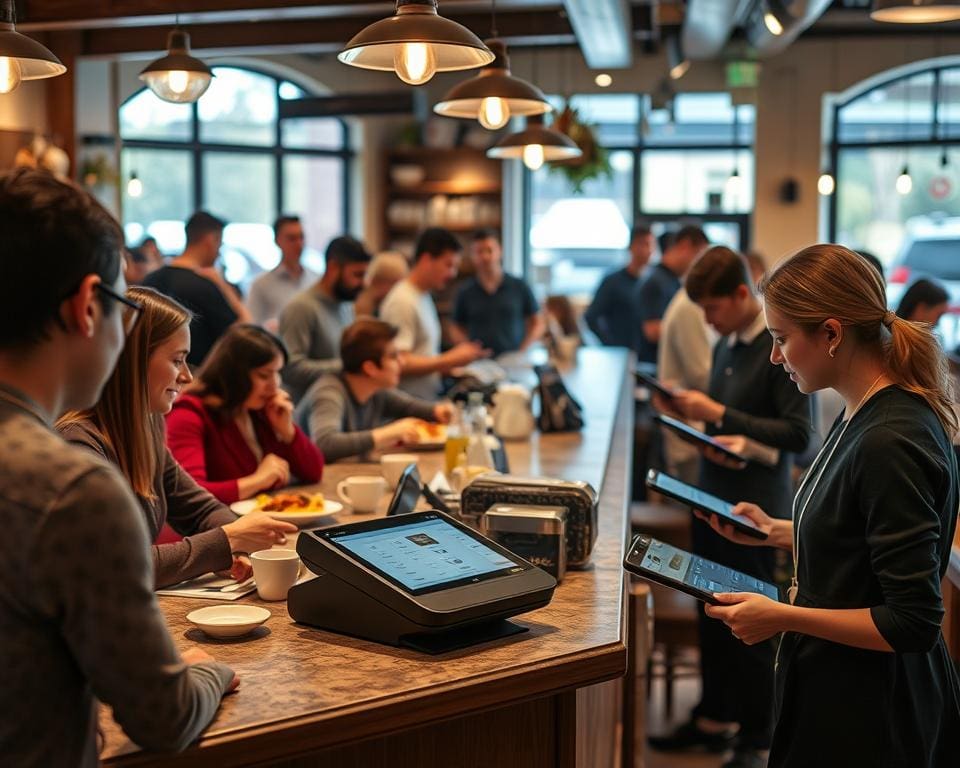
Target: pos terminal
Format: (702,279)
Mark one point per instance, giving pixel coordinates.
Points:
(420,580)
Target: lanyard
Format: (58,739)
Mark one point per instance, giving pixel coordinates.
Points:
(798,518)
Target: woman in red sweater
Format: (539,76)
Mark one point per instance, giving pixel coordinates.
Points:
(233,430)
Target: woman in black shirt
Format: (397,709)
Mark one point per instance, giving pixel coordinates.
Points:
(863,675)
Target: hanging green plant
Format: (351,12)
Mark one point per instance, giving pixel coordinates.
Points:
(594,163)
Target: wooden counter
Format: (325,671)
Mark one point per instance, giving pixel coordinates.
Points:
(310,697)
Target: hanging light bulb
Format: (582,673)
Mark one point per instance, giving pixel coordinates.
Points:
(944,158)
(904,182)
(734,183)
(494,113)
(22,58)
(826,184)
(134,186)
(533,156)
(177,77)
(416,42)
(415,63)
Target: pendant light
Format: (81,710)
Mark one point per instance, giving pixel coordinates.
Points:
(904,181)
(177,77)
(416,42)
(494,95)
(22,58)
(134,186)
(535,145)
(775,17)
(915,11)
(826,184)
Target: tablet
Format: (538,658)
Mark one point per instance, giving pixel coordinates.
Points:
(655,385)
(696,437)
(706,502)
(664,564)
(407,493)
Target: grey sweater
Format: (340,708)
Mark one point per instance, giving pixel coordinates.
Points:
(310,326)
(192,512)
(78,616)
(341,426)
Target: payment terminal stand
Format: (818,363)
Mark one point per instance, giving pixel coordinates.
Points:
(360,592)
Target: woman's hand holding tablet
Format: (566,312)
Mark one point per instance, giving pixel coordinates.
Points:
(734,443)
(779,532)
(752,618)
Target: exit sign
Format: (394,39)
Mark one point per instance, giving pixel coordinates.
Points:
(742,74)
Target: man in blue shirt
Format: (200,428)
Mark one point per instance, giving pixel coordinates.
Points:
(610,314)
(495,308)
(652,295)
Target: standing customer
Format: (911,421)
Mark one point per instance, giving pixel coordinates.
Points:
(125,427)
(193,279)
(233,429)
(273,290)
(385,271)
(863,675)
(77,608)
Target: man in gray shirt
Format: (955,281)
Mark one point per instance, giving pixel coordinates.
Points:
(312,322)
(273,290)
(78,615)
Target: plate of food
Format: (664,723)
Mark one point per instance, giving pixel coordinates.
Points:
(431,435)
(299,508)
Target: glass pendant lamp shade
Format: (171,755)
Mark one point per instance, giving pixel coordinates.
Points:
(915,11)
(535,145)
(22,58)
(177,77)
(416,43)
(494,95)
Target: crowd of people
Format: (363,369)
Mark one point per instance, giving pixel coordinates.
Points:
(127,409)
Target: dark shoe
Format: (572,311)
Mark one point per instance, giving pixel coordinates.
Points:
(689,738)
(746,758)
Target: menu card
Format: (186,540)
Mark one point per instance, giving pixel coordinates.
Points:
(210,587)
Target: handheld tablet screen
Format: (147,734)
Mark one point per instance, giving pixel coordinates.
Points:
(695,435)
(702,500)
(655,385)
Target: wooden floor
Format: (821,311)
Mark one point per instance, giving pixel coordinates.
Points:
(687,693)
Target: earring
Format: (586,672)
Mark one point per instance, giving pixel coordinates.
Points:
(832,351)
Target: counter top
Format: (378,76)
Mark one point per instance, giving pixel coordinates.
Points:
(306,689)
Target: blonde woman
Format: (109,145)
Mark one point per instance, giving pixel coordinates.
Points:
(862,674)
(126,428)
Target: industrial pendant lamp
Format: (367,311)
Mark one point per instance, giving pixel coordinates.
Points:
(915,11)
(775,17)
(20,57)
(494,95)
(416,43)
(535,145)
(177,77)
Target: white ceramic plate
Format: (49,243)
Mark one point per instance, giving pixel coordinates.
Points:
(248,506)
(228,620)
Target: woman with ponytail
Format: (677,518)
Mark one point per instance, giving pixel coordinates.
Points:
(862,674)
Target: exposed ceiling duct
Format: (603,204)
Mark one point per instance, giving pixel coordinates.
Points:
(795,16)
(708,24)
(604,31)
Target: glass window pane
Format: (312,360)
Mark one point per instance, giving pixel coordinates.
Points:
(576,238)
(312,133)
(950,102)
(240,107)
(289,90)
(165,199)
(903,109)
(241,188)
(616,116)
(313,189)
(144,116)
(692,181)
(698,118)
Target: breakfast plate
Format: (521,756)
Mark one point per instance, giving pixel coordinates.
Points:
(228,620)
(431,436)
(299,508)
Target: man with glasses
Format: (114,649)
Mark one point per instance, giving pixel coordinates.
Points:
(77,607)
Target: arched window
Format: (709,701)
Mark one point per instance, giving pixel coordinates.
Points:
(236,155)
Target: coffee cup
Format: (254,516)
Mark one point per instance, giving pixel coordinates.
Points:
(393,464)
(275,571)
(362,492)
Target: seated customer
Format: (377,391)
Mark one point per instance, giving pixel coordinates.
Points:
(126,428)
(233,429)
(80,620)
(494,308)
(349,413)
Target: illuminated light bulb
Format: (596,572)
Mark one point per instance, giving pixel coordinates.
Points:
(603,80)
(773,24)
(826,185)
(494,113)
(415,63)
(9,74)
(178,80)
(533,156)
(134,186)
(734,184)
(678,71)
(904,182)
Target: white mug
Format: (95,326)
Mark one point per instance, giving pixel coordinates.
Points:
(275,571)
(362,492)
(393,464)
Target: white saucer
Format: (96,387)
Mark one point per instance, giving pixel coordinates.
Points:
(248,506)
(228,620)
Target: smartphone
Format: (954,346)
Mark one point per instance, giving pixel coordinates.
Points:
(707,502)
(698,438)
(652,383)
(653,560)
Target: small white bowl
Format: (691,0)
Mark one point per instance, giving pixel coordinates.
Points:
(407,175)
(228,620)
